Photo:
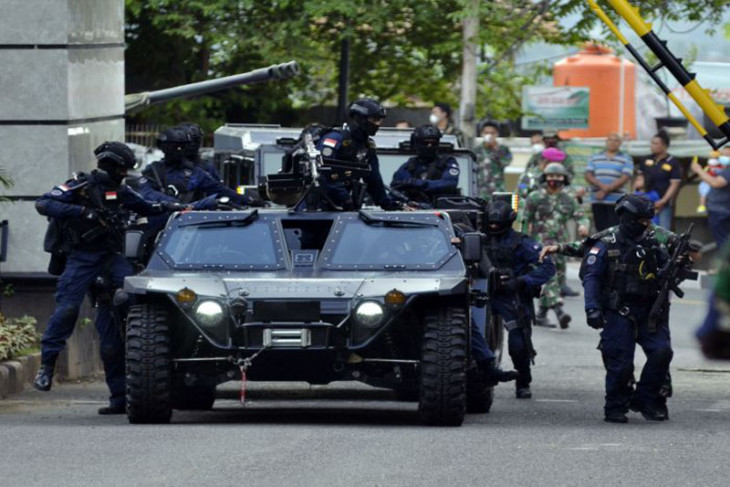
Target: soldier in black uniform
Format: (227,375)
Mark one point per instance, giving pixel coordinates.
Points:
(621,275)
(516,277)
(353,144)
(426,176)
(90,212)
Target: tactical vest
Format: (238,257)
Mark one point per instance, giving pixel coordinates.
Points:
(434,169)
(502,252)
(156,173)
(632,272)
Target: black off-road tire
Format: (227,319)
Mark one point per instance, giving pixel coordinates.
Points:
(193,398)
(149,365)
(442,381)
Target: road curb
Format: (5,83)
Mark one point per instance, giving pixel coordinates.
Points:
(17,373)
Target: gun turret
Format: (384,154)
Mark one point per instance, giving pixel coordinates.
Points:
(137,101)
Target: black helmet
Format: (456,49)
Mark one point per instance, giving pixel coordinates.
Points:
(637,206)
(115,158)
(173,142)
(500,216)
(425,140)
(555,168)
(360,111)
(631,209)
(117,152)
(195,134)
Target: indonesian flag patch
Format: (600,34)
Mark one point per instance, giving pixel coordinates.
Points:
(110,195)
(594,250)
(330,142)
(63,187)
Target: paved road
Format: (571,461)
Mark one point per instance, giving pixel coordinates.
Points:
(337,435)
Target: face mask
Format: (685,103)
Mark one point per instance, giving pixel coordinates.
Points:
(631,227)
(433,119)
(488,139)
(724,160)
(554,183)
(537,148)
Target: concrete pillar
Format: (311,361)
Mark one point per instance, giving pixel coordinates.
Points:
(61,94)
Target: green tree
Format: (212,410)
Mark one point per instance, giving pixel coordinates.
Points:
(403,51)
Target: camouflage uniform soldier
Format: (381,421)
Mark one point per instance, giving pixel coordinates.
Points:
(493,158)
(547,212)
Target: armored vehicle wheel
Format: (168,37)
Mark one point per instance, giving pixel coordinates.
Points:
(193,398)
(442,381)
(149,365)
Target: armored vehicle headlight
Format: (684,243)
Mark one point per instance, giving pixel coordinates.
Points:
(209,313)
(369,313)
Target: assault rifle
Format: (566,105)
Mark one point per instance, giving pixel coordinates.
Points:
(677,270)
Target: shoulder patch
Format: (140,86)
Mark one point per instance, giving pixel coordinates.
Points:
(330,142)
(591,260)
(454,171)
(594,250)
(56,192)
(327,151)
(63,187)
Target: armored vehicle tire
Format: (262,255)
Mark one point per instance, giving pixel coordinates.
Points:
(149,365)
(193,398)
(442,380)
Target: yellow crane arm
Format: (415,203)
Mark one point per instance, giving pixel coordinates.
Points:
(667,60)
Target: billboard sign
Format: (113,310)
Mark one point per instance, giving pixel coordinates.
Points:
(555,107)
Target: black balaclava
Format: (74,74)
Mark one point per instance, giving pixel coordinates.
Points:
(630,225)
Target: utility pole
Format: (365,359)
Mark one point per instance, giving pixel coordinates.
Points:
(344,80)
(468,99)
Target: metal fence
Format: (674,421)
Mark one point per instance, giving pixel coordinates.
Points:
(141,134)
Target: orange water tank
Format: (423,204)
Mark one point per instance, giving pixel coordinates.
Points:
(598,68)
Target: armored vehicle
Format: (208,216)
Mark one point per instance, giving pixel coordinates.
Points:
(275,295)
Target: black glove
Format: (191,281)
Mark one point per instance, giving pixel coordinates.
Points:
(256,202)
(595,319)
(89,214)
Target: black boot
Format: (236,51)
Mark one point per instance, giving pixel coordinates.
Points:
(563,317)
(44,378)
(542,320)
(493,374)
(615,417)
(119,409)
(649,411)
(523,392)
(566,291)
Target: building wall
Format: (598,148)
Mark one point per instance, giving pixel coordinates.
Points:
(62,93)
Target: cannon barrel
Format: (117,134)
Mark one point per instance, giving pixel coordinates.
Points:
(136,101)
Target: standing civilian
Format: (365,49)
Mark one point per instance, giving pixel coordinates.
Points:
(718,201)
(663,175)
(608,172)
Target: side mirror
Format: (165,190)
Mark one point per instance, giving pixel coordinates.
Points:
(471,247)
(133,244)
